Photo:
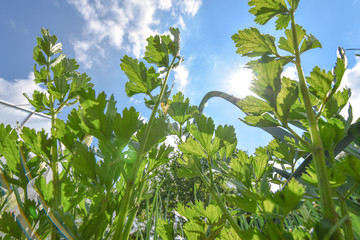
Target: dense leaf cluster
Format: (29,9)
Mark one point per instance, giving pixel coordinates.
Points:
(130,183)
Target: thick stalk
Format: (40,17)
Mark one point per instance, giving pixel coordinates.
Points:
(124,207)
(54,157)
(318,152)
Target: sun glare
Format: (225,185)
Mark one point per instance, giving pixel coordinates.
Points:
(238,82)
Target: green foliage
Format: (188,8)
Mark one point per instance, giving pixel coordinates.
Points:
(85,189)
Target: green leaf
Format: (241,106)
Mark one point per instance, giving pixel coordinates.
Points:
(267,83)
(261,160)
(241,170)
(244,203)
(349,166)
(38,142)
(97,113)
(310,42)
(47,188)
(320,82)
(126,125)
(174,46)
(336,103)
(227,138)
(340,67)
(264,10)
(180,109)
(141,79)
(191,146)
(38,56)
(265,120)
(286,98)
(283,21)
(48,43)
(331,132)
(157,51)
(165,229)
(251,43)
(40,101)
(59,88)
(289,197)
(189,169)
(40,76)
(203,132)
(79,82)
(253,105)
(9,147)
(282,151)
(287,43)
(158,132)
(9,226)
(84,160)
(295,5)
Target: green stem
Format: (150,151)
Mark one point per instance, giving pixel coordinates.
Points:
(348,228)
(306,144)
(125,202)
(222,206)
(326,199)
(54,156)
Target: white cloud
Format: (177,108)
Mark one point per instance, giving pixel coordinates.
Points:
(191,7)
(290,72)
(181,77)
(12,92)
(238,81)
(125,24)
(351,80)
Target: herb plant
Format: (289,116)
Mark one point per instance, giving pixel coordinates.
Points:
(62,184)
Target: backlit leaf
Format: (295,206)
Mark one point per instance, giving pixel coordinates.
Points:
(286,98)
(310,42)
(287,43)
(283,21)
(265,120)
(191,146)
(203,131)
(336,103)
(157,50)
(267,83)
(251,43)
(141,79)
(261,160)
(84,160)
(264,10)
(320,82)
(180,109)
(227,139)
(253,105)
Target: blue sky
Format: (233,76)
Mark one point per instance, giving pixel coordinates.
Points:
(98,33)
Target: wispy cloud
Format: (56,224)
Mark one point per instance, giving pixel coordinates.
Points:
(126,24)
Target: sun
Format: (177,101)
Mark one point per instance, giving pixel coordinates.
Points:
(238,81)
